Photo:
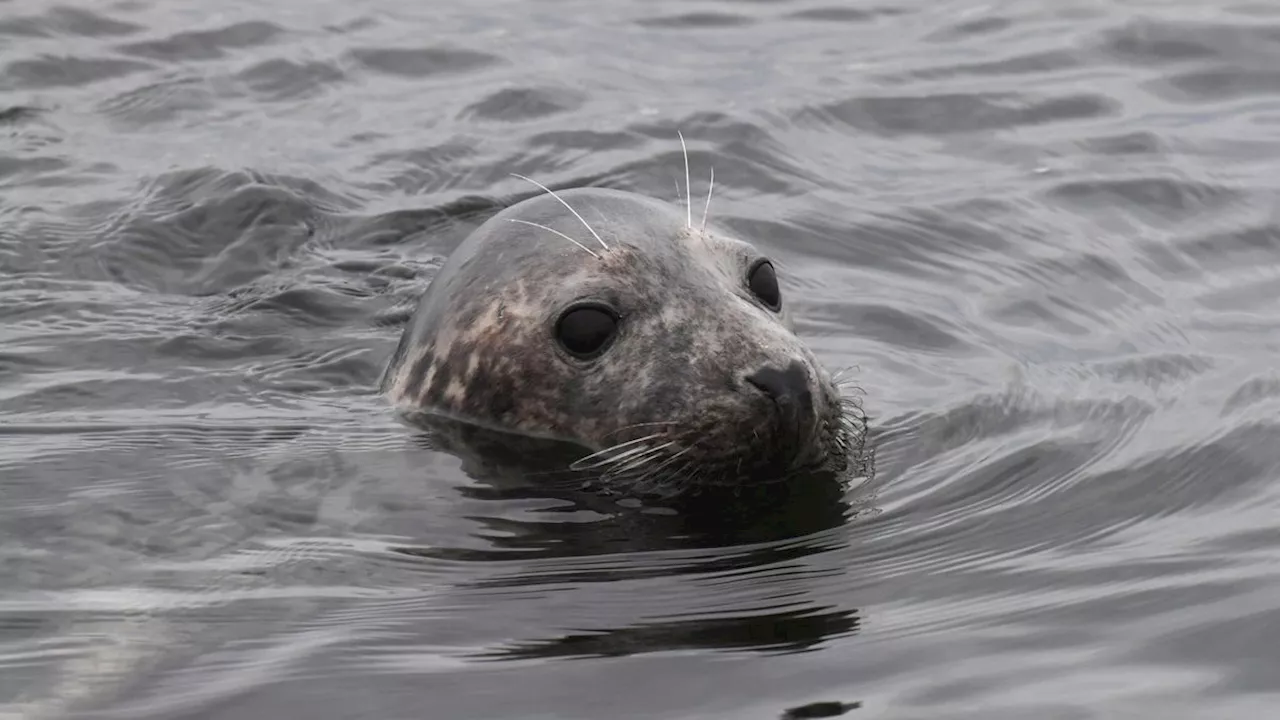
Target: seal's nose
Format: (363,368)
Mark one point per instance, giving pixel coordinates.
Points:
(789,390)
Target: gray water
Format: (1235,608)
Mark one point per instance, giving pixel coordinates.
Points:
(1044,233)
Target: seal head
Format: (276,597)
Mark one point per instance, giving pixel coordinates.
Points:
(604,319)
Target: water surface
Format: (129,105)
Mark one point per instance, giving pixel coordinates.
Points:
(1044,233)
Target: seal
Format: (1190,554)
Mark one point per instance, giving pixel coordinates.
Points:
(664,350)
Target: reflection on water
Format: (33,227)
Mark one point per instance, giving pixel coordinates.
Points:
(1043,235)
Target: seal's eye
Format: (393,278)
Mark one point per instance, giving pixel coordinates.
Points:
(585,330)
(764,284)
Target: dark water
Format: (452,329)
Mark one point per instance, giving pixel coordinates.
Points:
(1046,233)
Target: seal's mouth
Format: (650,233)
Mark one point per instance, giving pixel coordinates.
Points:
(765,448)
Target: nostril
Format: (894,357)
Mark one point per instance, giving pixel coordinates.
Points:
(764,381)
(785,387)
(761,384)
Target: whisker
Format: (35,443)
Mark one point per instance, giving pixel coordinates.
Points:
(706,208)
(849,394)
(850,408)
(614,448)
(842,373)
(557,232)
(674,479)
(663,464)
(567,205)
(650,436)
(632,455)
(688,189)
(621,458)
(624,428)
(656,469)
(691,480)
(635,463)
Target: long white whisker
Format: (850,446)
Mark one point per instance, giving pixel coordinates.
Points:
(623,468)
(685,474)
(600,459)
(644,458)
(688,189)
(662,465)
(681,477)
(622,472)
(628,443)
(640,424)
(628,456)
(553,194)
(613,448)
(706,208)
(659,480)
(557,232)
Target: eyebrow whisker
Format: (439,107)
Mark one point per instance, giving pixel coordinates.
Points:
(553,194)
(557,232)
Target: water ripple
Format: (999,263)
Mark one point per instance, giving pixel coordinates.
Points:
(1039,237)
(421,62)
(67,21)
(65,71)
(939,114)
(205,44)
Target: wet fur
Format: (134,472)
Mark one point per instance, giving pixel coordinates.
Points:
(481,346)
